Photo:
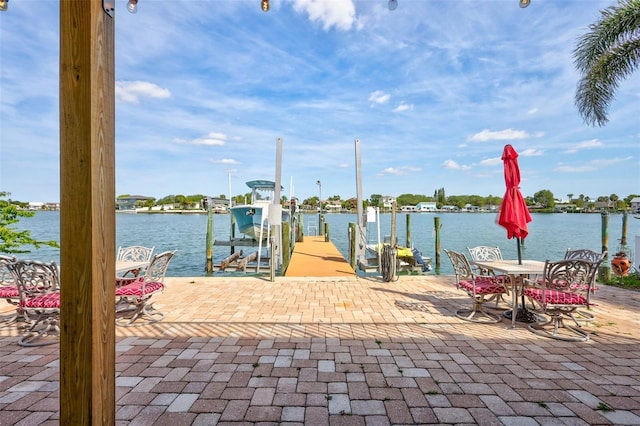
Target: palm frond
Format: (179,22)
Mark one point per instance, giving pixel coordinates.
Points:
(606,54)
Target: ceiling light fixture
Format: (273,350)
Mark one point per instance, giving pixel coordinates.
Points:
(4,5)
(132,7)
(265,5)
(524,3)
(393,4)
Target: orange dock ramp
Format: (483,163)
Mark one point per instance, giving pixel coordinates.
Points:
(315,257)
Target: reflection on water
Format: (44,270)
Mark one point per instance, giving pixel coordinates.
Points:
(549,235)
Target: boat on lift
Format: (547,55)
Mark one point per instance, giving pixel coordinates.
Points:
(252,219)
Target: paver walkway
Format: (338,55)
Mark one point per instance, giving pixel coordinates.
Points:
(344,351)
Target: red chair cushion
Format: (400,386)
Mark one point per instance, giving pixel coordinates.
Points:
(42,301)
(136,288)
(555,297)
(9,292)
(482,286)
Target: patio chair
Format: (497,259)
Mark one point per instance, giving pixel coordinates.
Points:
(39,287)
(8,286)
(135,293)
(479,287)
(490,253)
(592,256)
(134,254)
(564,287)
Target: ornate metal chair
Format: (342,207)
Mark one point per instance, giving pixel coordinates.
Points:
(592,256)
(39,288)
(564,287)
(134,254)
(8,286)
(479,287)
(135,293)
(490,253)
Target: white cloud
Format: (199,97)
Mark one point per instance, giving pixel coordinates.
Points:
(379,97)
(211,139)
(403,107)
(452,165)
(132,91)
(228,161)
(339,14)
(593,143)
(491,161)
(392,171)
(590,166)
(531,152)
(489,135)
(532,111)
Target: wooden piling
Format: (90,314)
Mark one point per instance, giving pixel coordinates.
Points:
(352,245)
(604,272)
(286,245)
(436,226)
(408,230)
(209,239)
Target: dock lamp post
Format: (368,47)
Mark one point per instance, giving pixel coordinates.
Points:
(320,203)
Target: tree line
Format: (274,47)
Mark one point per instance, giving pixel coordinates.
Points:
(543,200)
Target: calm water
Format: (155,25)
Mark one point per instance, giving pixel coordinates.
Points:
(549,235)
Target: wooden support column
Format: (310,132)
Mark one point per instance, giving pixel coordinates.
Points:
(87,214)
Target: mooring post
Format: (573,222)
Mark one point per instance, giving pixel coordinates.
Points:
(436,225)
(286,245)
(408,230)
(352,245)
(209,235)
(326,232)
(604,272)
(623,238)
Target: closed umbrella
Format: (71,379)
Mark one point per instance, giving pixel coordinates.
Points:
(514,214)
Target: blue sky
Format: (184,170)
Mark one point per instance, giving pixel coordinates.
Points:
(433,90)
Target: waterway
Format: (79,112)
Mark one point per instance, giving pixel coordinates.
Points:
(549,235)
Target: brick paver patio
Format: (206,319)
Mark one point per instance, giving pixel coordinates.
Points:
(344,351)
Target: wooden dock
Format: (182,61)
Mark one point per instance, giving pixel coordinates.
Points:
(313,257)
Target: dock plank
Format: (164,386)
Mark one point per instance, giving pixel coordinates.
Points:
(313,257)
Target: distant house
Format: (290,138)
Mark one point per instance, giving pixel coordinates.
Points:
(447,208)
(426,206)
(408,209)
(130,202)
(333,206)
(36,205)
(387,202)
(635,204)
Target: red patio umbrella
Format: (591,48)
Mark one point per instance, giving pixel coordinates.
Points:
(514,214)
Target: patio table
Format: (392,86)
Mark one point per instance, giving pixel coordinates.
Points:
(124,266)
(516,271)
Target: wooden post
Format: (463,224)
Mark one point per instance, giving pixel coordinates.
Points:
(87,214)
(352,245)
(321,225)
(408,230)
(326,232)
(605,273)
(436,226)
(623,238)
(286,245)
(299,231)
(394,238)
(209,239)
